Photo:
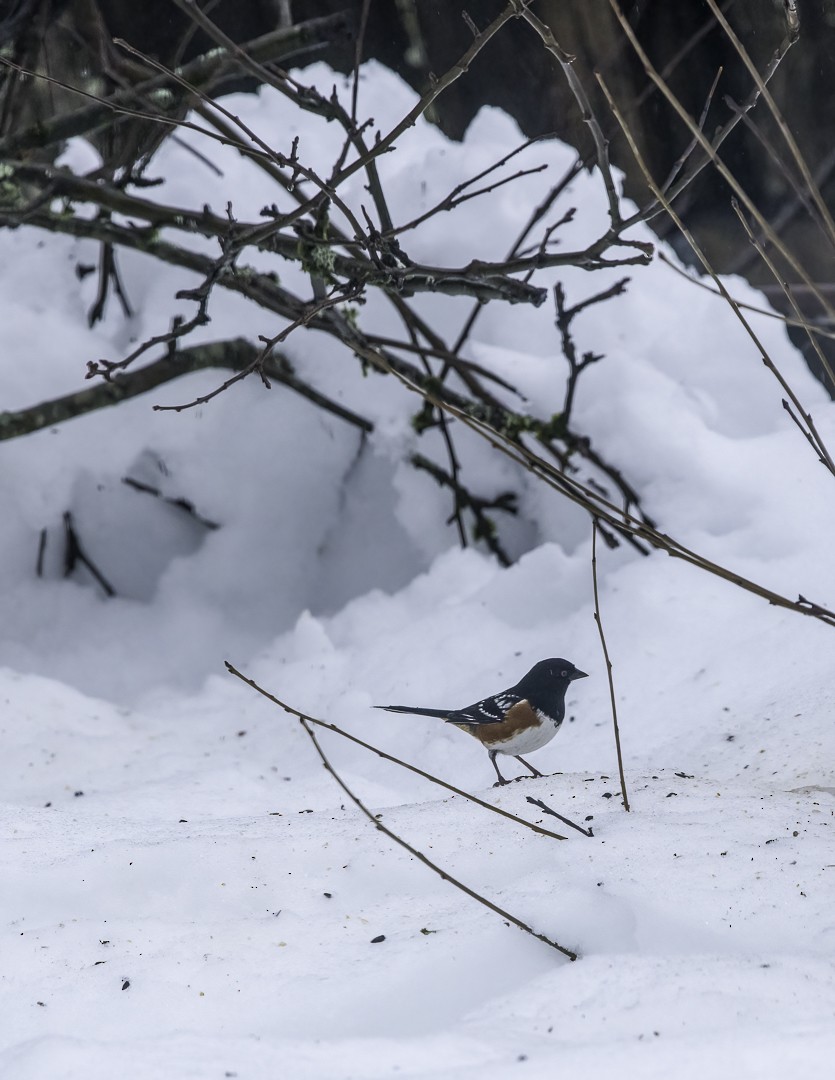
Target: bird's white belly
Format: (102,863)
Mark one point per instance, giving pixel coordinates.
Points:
(525,742)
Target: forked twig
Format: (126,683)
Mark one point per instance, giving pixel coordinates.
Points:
(601,143)
(413,851)
(565,316)
(460,194)
(599,622)
(305,722)
(259,361)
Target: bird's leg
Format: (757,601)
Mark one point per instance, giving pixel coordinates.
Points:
(502,780)
(528,765)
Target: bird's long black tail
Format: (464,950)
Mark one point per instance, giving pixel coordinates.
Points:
(441,714)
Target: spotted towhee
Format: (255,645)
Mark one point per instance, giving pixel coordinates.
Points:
(522,718)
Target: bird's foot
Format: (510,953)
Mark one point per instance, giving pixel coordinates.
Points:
(531,768)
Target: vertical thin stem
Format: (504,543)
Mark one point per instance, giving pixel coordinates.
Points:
(358,58)
(599,622)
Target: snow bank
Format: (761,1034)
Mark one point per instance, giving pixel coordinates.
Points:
(186,891)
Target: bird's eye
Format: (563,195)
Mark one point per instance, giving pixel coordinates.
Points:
(565,674)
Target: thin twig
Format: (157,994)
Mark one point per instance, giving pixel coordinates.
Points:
(599,622)
(803,324)
(566,821)
(679,163)
(259,361)
(601,143)
(447,355)
(108,275)
(177,501)
(444,424)
(537,214)
(366,4)
(797,196)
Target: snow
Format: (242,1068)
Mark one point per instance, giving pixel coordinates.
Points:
(187,893)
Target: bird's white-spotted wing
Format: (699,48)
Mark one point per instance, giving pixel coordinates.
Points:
(491,710)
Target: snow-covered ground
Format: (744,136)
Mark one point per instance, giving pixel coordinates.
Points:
(185,890)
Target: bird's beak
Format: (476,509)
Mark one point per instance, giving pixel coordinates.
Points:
(577,674)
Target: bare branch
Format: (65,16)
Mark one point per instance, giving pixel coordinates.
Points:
(258,364)
(238,354)
(306,723)
(565,316)
(601,143)
(460,194)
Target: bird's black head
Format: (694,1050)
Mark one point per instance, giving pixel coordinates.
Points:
(546,683)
